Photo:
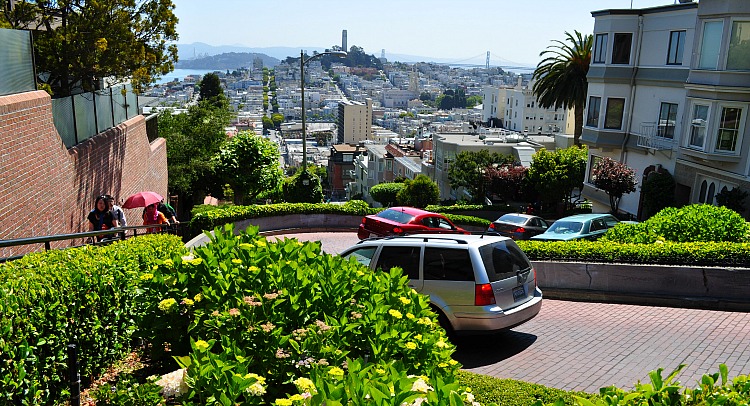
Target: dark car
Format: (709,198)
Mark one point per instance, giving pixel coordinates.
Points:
(406,220)
(578,227)
(518,226)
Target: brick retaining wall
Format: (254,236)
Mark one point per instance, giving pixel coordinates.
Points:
(47,189)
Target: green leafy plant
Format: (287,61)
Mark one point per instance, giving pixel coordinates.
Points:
(284,307)
(385,193)
(127,391)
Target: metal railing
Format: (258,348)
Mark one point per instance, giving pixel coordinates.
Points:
(88,237)
(652,137)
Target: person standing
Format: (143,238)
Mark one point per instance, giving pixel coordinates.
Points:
(153,216)
(100,218)
(117,212)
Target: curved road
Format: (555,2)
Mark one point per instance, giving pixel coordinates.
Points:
(586,346)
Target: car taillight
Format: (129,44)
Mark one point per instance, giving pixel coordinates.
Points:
(397,230)
(520,230)
(492,226)
(364,220)
(534,269)
(483,295)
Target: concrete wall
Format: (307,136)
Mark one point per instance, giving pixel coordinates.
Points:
(679,286)
(47,189)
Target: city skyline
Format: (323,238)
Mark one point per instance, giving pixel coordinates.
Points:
(513,32)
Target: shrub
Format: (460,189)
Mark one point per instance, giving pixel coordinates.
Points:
(82,296)
(508,392)
(420,192)
(658,192)
(385,193)
(693,223)
(252,306)
(296,191)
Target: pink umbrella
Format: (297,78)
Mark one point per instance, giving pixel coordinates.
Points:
(142,199)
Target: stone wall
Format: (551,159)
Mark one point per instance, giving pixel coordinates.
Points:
(48,189)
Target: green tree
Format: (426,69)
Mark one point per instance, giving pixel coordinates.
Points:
(386,193)
(277,119)
(420,192)
(250,164)
(303,187)
(210,86)
(193,138)
(77,44)
(657,191)
(473,101)
(560,78)
(468,171)
(614,178)
(555,174)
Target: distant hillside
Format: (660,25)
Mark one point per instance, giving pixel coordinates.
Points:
(231,60)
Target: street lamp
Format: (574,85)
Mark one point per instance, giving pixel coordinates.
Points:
(302,62)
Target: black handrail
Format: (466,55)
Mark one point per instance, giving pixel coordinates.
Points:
(117,233)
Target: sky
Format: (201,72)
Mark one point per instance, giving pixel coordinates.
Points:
(461,31)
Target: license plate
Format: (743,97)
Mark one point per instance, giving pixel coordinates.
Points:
(519,293)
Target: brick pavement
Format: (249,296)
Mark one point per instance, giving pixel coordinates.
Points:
(586,346)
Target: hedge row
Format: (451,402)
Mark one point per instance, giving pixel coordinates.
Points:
(209,219)
(83,296)
(666,253)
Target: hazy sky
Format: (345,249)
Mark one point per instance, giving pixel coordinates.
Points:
(514,31)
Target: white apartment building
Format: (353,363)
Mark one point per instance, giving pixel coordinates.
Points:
(669,89)
(354,121)
(523,113)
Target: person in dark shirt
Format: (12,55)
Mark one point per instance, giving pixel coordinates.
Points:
(101,218)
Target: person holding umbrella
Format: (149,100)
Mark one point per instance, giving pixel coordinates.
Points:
(153,216)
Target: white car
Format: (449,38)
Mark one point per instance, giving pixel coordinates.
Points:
(476,283)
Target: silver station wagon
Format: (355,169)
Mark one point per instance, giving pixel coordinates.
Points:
(476,283)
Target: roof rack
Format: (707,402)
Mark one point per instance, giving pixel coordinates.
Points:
(425,239)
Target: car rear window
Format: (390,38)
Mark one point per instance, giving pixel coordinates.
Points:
(502,260)
(445,264)
(565,227)
(509,218)
(395,215)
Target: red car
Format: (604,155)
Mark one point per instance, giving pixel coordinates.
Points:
(406,220)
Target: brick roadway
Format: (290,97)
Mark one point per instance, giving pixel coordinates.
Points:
(586,346)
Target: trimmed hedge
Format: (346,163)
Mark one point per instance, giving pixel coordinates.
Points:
(209,219)
(666,253)
(509,392)
(79,295)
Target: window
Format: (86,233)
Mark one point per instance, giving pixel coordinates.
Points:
(592,164)
(592,114)
(667,120)
(503,261)
(698,125)
(676,47)
(738,57)
(726,139)
(621,48)
(445,264)
(363,255)
(600,48)
(615,109)
(389,165)
(348,157)
(406,258)
(710,45)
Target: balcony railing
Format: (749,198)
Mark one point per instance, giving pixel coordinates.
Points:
(652,136)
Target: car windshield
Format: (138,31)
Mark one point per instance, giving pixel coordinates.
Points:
(565,227)
(510,218)
(395,215)
(502,260)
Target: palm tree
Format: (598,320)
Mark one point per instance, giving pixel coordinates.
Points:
(560,78)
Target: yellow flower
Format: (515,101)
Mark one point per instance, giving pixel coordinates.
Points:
(410,345)
(395,313)
(257,377)
(283,402)
(453,362)
(421,386)
(246,246)
(336,371)
(188,302)
(425,320)
(198,297)
(201,345)
(168,262)
(418,337)
(253,269)
(441,344)
(168,305)
(296,397)
(305,385)
(236,261)
(257,389)
(380,371)
(409,316)
(442,365)
(147,276)
(260,243)
(404,300)
(196,261)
